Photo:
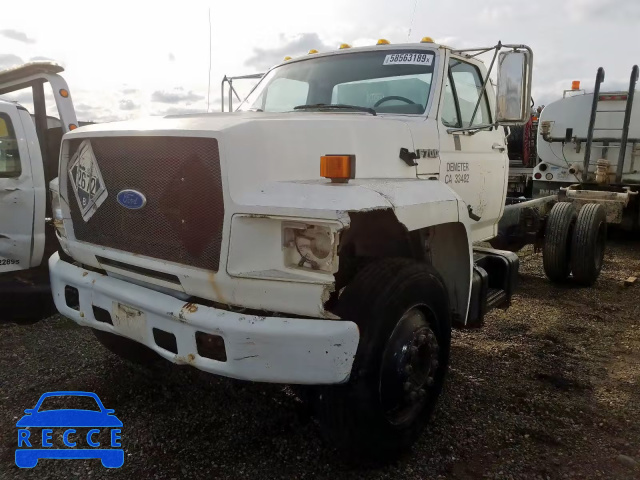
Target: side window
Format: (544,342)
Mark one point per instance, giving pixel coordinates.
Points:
(467,87)
(284,94)
(9,156)
(449,110)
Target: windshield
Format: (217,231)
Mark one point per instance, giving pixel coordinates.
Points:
(386,81)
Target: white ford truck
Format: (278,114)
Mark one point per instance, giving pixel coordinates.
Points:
(322,235)
(29,153)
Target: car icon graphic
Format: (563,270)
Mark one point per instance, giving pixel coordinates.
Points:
(31,449)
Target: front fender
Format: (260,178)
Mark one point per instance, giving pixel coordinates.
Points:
(416,203)
(421,203)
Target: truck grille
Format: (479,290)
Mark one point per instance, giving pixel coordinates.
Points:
(184,213)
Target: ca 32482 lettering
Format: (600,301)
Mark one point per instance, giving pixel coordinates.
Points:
(456,178)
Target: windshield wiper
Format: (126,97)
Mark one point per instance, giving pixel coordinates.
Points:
(335,106)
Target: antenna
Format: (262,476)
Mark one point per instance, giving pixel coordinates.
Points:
(209,83)
(415,5)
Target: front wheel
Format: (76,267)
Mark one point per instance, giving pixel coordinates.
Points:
(401,307)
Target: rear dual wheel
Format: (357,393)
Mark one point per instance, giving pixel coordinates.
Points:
(401,307)
(574,243)
(588,244)
(556,252)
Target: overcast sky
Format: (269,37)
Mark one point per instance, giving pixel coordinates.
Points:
(126,59)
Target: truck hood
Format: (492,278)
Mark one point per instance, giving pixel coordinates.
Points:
(259,149)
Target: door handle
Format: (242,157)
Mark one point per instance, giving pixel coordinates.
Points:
(497,146)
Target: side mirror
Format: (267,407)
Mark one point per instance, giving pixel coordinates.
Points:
(514,86)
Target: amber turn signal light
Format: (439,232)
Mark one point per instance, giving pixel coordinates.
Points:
(338,168)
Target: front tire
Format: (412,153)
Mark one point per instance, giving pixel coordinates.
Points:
(401,307)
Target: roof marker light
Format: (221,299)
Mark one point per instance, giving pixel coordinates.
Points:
(383,41)
(426,40)
(287,58)
(312,51)
(575,85)
(344,45)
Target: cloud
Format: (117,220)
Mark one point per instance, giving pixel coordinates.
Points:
(172,57)
(129,91)
(625,11)
(495,13)
(16,35)
(176,96)
(22,96)
(264,58)
(127,104)
(180,111)
(9,60)
(83,107)
(37,59)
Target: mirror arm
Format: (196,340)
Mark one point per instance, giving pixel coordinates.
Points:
(481,52)
(472,130)
(486,80)
(506,137)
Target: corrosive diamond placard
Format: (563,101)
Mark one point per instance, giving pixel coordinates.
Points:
(86,180)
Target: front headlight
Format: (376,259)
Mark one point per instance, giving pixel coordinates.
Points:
(56,208)
(283,248)
(310,246)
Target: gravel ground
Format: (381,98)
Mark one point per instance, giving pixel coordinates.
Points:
(547,389)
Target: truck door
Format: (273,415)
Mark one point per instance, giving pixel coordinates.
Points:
(22,191)
(475,163)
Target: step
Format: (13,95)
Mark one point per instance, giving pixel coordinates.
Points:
(496,298)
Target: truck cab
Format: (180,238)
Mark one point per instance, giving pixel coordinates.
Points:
(322,235)
(29,153)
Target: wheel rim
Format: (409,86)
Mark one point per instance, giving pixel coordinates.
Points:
(409,365)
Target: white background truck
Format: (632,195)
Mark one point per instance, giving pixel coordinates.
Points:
(29,153)
(323,235)
(589,146)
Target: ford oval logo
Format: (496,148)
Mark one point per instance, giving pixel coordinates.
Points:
(131,199)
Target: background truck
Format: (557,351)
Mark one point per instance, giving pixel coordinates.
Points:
(29,153)
(589,148)
(523,156)
(323,235)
